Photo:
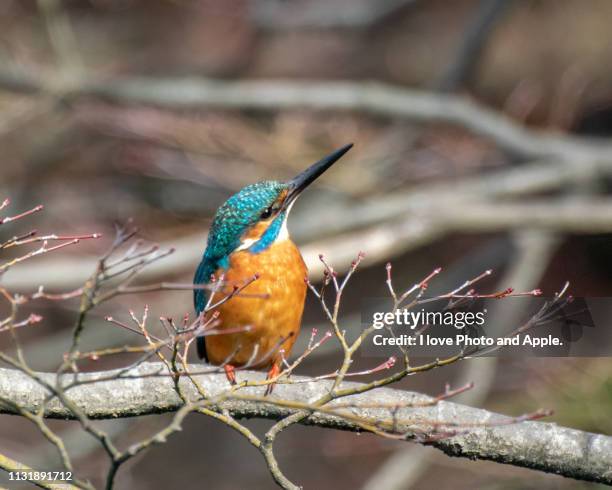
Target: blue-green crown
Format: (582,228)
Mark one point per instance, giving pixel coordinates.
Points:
(238,214)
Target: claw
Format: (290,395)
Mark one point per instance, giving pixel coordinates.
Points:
(272,373)
(230,372)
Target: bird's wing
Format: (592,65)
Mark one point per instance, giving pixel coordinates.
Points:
(202,276)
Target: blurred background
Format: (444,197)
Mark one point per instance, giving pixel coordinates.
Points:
(109,112)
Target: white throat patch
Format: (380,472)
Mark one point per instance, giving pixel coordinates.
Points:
(283,234)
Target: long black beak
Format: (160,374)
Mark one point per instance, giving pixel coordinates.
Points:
(308,176)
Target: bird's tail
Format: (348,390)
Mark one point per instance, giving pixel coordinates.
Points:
(201,348)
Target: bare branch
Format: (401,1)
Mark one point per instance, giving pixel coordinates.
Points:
(393,224)
(373,98)
(537,445)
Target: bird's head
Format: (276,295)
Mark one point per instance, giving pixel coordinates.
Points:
(256,216)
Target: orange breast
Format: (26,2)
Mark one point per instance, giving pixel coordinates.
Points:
(274,320)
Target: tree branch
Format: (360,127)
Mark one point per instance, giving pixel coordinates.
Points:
(370,97)
(390,224)
(543,446)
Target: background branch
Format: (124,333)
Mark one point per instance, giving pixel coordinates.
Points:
(372,97)
(392,224)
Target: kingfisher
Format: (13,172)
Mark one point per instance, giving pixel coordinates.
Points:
(249,238)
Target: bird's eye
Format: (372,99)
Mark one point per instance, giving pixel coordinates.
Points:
(267,213)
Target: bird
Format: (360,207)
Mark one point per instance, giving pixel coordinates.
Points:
(249,244)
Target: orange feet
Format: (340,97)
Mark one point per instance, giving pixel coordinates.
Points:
(272,373)
(230,372)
